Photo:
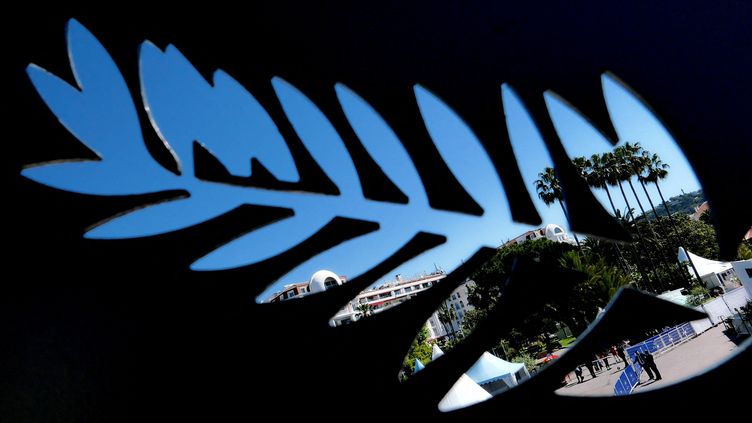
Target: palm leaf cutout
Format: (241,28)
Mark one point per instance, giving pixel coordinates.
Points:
(126,167)
(188,109)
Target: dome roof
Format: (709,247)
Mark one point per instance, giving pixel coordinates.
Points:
(322,280)
(554,232)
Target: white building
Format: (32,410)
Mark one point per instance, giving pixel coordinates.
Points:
(385,296)
(551,231)
(744,273)
(319,282)
(380,298)
(457,301)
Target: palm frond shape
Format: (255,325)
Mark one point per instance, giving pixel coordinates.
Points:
(126,167)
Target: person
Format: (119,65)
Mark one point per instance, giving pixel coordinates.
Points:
(589,365)
(650,365)
(640,359)
(604,357)
(614,352)
(622,355)
(578,373)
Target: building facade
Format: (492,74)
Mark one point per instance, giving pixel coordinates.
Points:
(377,299)
(551,232)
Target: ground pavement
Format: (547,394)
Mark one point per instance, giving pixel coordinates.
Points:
(688,359)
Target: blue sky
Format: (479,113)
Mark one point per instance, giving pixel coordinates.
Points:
(226,118)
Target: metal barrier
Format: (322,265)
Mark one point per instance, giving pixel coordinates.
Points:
(655,345)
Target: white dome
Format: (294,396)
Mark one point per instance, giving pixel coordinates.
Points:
(322,280)
(555,232)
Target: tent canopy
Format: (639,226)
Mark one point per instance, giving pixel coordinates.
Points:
(463,393)
(436,352)
(489,368)
(704,266)
(418,366)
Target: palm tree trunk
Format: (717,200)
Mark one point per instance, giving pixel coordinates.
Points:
(663,200)
(650,200)
(658,239)
(640,263)
(686,281)
(566,216)
(671,238)
(665,206)
(610,200)
(622,262)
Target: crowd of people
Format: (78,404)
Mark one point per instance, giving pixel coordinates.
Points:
(642,358)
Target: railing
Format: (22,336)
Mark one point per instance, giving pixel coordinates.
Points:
(656,345)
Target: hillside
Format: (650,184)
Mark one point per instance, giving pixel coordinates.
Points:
(681,204)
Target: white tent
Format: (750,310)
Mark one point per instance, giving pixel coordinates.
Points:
(436,352)
(489,369)
(711,272)
(463,393)
(704,266)
(418,366)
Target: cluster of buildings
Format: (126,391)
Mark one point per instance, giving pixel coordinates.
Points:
(377,299)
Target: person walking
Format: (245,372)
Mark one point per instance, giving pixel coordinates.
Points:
(614,353)
(578,373)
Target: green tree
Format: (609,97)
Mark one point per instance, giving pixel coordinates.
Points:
(697,237)
(527,359)
(549,190)
(744,252)
(576,309)
(697,295)
(365,309)
(447,316)
(419,349)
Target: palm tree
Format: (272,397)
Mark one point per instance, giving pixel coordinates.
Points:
(645,161)
(594,174)
(600,176)
(656,170)
(634,164)
(447,316)
(619,162)
(549,190)
(365,309)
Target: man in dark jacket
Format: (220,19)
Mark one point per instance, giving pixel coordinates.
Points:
(650,365)
(640,359)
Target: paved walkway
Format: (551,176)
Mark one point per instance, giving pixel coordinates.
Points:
(686,360)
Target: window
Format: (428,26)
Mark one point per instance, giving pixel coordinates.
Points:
(749,271)
(558,230)
(456,306)
(329,282)
(462,304)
